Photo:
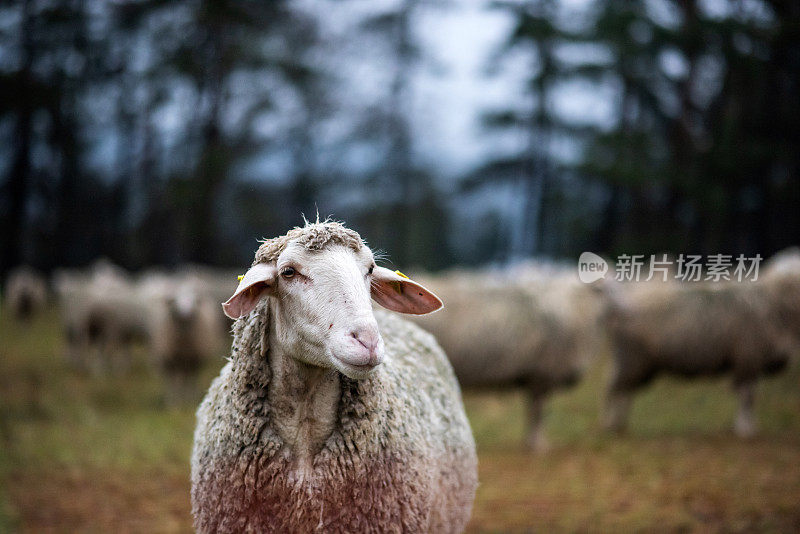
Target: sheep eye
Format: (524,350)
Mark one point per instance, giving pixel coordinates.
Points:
(288,272)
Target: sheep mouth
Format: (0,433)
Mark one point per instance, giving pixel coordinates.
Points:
(360,368)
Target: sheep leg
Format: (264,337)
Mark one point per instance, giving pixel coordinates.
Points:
(618,406)
(77,348)
(71,350)
(172,395)
(185,389)
(745,425)
(536,439)
(179,390)
(122,358)
(97,356)
(629,373)
(192,388)
(108,354)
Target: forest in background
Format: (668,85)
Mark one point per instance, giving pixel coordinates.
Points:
(156,132)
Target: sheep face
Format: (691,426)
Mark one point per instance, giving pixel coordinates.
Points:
(320,309)
(183,306)
(324,314)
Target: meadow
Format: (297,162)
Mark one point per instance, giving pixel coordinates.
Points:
(80,453)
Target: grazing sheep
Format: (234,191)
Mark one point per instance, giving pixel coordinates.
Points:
(699,329)
(184,330)
(103,317)
(781,282)
(217,285)
(577,304)
(26,293)
(516,328)
(329,417)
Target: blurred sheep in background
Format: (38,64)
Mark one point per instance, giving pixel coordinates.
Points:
(531,326)
(781,282)
(103,316)
(26,293)
(743,329)
(217,284)
(175,317)
(185,327)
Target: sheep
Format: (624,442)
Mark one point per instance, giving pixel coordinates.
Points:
(103,317)
(698,329)
(328,416)
(26,293)
(183,330)
(786,261)
(781,282)
(217,285)
(516,328)
(577,304)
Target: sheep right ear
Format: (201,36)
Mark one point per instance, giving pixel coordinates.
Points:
(258,282)
(395,291)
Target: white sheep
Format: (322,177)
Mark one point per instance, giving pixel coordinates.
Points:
(26,293)
(329,417)
(103,317)
(526,327)
(698,329)
(184,330)
(217,285)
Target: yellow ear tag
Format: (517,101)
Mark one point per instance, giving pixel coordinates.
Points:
(239,278)
(398,273)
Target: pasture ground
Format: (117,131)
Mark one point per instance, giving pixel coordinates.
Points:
(81,453)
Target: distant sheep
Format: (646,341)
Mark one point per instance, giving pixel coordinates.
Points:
(217,284)
(699,329)
(330,417)
(103,317)
(184,327)
(525,327)
(26,293)
(781,282)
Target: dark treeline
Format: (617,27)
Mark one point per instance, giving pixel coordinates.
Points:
(164,131)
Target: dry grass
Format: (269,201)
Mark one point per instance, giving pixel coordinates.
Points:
(103,455)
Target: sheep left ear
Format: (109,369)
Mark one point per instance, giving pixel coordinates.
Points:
(398,293)
(258,282)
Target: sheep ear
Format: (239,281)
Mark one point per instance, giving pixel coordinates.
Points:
(256,283)
(398,293)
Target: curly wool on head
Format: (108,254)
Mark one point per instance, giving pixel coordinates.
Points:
(313,236)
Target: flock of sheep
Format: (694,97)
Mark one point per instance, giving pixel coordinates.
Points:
(331,415)
(538,327)
(106,314)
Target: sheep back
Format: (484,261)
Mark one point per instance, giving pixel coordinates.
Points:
(500,334)
(692,331)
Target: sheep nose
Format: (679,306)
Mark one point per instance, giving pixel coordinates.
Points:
(370,339)
(367,337)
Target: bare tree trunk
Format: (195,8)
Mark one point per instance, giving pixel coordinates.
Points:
(18,181)
(212,172)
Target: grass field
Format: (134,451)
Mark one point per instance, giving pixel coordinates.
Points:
(104,455)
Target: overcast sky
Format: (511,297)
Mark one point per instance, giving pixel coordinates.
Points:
(453,86)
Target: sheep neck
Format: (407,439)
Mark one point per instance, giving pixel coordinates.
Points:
(304,400)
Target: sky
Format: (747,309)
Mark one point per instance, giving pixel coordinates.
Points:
(457,82)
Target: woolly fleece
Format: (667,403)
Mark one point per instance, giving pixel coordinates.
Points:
(401,457)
